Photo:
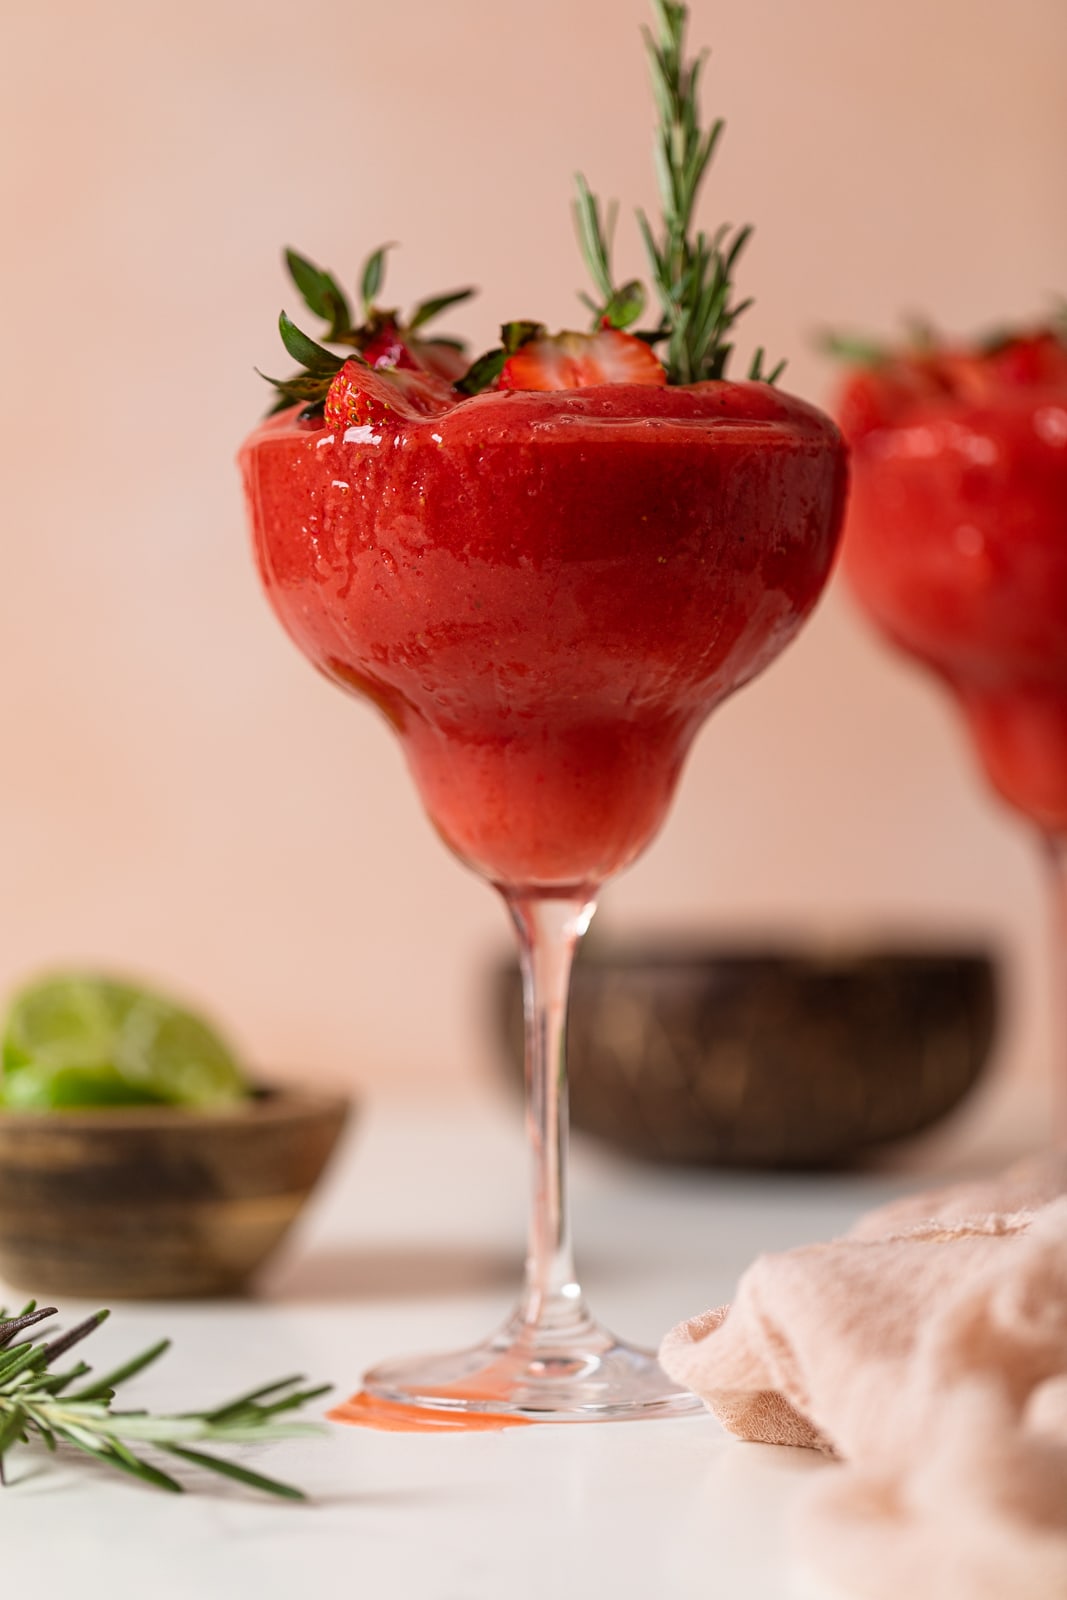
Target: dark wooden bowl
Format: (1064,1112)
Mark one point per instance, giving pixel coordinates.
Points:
(766,1058)
(153,1202)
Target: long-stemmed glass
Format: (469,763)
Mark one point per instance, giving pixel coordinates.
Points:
(546,593)
(956,547)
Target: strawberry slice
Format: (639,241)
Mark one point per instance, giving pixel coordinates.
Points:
(581,361)
(360,394)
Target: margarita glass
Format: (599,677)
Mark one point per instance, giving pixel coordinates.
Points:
(546,594)
(956,547)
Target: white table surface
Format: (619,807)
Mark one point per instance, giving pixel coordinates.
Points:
(414,1243)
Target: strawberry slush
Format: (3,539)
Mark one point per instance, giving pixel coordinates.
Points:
(957,545)
(546,593)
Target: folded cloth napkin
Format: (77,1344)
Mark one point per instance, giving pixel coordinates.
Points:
(927,1350)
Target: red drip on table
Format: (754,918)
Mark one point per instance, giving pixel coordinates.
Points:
(368,1411)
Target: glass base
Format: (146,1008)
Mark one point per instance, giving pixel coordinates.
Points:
(590,1377)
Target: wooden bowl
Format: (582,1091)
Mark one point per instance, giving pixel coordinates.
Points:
(152,1202)
(766,1058)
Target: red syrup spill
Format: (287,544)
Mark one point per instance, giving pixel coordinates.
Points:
(368,1411)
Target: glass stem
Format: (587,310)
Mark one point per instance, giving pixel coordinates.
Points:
(548,930)
(1056,856)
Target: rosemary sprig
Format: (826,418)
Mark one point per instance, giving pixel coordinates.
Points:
(39,1403)
(692,272)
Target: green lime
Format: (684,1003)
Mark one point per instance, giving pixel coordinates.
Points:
(77,1039)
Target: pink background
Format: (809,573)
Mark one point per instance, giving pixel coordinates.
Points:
(182,796)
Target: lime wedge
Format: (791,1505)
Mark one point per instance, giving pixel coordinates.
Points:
(77,1039)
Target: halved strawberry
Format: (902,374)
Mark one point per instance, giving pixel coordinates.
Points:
(359,395)
(581,361)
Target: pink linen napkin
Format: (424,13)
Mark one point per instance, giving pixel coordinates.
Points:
(927,1350)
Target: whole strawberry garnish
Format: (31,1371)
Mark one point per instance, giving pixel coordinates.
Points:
(384,340)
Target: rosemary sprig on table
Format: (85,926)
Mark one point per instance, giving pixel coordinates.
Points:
(39,1403)
(692,272)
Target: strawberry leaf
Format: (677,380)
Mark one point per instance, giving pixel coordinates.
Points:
(318,361)
(427,310)
(373,274)
(302,386)
(320,292)
(482,374)
(625,306)
(513,335)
